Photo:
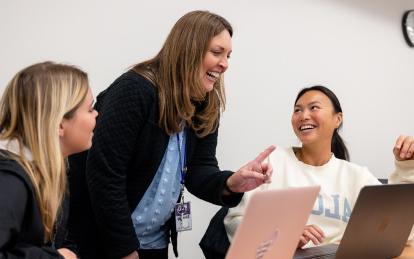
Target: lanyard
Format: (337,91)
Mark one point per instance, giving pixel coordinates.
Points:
(182,210)
(182,160)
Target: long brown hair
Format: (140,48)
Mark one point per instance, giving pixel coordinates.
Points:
(31,110)
(175,71)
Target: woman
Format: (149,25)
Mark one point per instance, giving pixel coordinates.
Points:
(156,133)
(46,114)
(323,160)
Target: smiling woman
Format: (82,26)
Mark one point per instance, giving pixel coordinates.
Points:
(322,160)
(215,61)
(157,133)
(316,119)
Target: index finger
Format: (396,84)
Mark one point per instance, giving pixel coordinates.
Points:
(262,156)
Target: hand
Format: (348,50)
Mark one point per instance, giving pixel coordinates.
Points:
(133,255)
(253,174)
(67,254)
(404,148)
(311,233)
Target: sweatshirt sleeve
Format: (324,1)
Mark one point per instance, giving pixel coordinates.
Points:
(403,173)
(13,200)
(368,178)
(235,215)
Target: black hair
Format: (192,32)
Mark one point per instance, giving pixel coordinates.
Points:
(338,146)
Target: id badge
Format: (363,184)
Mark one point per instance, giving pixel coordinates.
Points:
(183,216)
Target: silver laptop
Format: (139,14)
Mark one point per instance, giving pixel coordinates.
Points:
(379,225)
(273,223)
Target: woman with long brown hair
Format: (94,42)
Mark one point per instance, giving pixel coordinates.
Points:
(46,114)
(157,133)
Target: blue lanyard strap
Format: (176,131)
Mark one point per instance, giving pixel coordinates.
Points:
(182,157)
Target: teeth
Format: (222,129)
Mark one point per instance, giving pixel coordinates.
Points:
(213,74)
(306,127)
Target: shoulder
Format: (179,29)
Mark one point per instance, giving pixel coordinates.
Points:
(10,169)
(130,97)
(282,154)
(351,166)
(132,81)
(358,172)
(14,182)
(16,197)
(129,87)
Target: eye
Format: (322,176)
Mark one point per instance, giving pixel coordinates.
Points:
(216,52)
(314,107)
(296,110)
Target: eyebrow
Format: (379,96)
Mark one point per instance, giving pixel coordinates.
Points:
(311,103)
(221,48)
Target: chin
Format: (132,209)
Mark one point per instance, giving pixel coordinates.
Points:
(208,88)
(88,146)
(307,141)
(208,85)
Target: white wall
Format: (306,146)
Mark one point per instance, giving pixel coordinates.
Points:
(355,47)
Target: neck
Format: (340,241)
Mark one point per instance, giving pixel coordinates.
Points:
(315,155)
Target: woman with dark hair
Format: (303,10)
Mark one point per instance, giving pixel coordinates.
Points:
(338,147)
(156,133)
(323,160)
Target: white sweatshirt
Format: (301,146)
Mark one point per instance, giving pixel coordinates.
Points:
(340,183)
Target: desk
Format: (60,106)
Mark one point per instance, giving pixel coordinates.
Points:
(408,252)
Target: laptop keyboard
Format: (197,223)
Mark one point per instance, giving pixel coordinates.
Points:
(322,252)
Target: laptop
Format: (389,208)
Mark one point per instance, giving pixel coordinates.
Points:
(273,223)
(379,225)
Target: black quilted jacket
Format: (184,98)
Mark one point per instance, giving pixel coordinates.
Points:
(107,183)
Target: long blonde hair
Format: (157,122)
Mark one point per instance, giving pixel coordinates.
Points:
(31,110)
(175,71)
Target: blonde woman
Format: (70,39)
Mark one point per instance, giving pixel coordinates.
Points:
(46,114)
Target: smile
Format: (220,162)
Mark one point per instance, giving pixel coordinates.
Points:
(307,127)
(212,75)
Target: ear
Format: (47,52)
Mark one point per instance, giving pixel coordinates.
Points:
(62,128)
(339,119)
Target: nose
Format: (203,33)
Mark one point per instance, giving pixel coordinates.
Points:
(304,115)
(224,63)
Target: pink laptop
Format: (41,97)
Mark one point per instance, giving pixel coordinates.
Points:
(273,223)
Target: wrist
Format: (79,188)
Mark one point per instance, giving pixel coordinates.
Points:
(227,189)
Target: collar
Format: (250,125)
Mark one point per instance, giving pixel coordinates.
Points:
(12,145)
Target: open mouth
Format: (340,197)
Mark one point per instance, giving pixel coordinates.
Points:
(213,76)
(307,127)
